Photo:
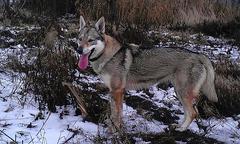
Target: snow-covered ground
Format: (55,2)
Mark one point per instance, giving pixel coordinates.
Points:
(20,120)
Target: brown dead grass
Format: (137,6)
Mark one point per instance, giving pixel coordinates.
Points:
(227,84)
(160,12)
(228,87)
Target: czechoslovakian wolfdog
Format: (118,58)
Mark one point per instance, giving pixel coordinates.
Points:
(127,67)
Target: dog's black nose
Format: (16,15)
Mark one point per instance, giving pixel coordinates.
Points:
(76,47)
(79,50)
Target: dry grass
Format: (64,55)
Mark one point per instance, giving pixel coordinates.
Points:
(228,87)
(160,12)
(144,12)
(227,84)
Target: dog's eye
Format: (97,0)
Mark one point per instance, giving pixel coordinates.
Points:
(80,39)
(90,40)
(99,38)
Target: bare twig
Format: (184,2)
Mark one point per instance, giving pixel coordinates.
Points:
(14,142)
(75,132)
(41,126)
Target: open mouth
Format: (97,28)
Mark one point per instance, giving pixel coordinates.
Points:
(84,60)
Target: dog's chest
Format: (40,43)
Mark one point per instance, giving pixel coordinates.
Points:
(106,79)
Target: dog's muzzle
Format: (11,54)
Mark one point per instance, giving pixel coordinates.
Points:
(79,50)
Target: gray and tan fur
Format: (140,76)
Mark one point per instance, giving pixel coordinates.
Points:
(131,67)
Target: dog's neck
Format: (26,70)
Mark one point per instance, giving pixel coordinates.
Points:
(112,46)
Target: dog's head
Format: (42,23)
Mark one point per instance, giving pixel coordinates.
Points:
(90,41)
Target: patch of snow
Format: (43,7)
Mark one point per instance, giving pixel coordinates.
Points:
(19,46)
(234,54)
(88,78)
(225,130)
(176,37)
(136,123)
(210,38)
(140,141)
(13,32)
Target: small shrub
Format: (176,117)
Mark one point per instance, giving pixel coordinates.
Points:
(45,69)
(45,74)
(229,29)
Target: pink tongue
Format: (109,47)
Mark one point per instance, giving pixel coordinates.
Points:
(83,62)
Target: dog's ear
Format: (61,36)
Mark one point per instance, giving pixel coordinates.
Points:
(100,25)
(82,23)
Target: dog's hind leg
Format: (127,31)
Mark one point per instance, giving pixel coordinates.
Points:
(187,85)
(188,102)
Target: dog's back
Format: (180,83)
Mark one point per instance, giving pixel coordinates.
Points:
(150,66)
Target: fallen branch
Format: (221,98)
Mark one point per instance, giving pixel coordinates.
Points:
(75,91)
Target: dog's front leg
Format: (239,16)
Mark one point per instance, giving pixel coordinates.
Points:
(116,104)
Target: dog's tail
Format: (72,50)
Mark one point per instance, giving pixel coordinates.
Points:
(208,87)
